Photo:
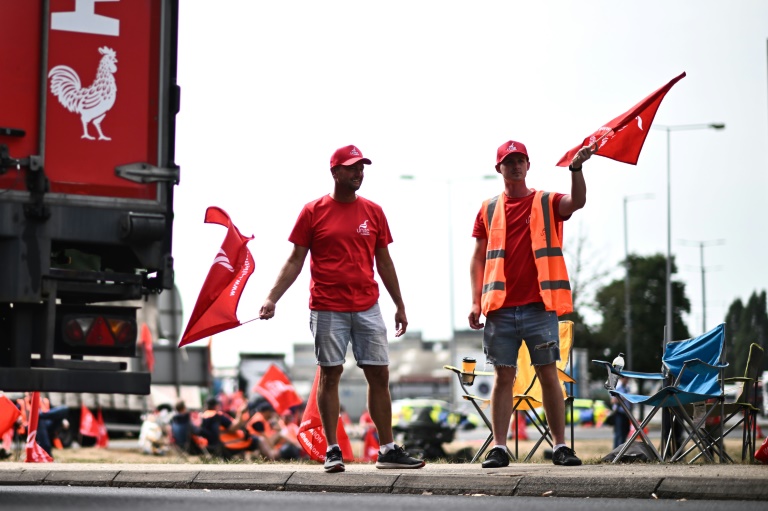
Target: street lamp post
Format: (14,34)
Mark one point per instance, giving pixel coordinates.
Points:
(668,334)
(451,292)
(627,302)
(701,245)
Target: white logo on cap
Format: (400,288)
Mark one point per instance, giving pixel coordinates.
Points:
(354,152)
(511,147)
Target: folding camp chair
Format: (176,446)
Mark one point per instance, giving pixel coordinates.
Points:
(692,375)
(744,410)
(527,394)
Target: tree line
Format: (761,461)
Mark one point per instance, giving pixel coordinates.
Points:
(746,322)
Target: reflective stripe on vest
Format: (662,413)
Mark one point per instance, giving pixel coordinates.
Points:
(554,285)
(552,275)
(494,281)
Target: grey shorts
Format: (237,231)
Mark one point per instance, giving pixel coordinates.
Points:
(333,331)
(507,328)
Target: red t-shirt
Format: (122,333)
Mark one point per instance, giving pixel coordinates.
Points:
(342,238)
(519,266)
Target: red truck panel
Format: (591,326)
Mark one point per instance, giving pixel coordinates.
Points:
(101,91)
(19,65)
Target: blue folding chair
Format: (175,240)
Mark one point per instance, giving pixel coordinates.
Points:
(692,375)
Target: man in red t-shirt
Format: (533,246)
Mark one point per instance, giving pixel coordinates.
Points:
(520,303)
(346,234)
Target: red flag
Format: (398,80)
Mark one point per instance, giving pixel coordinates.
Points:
(216,306)
(8,414)
(311,434)
(35,453)
(146,345)
(102,439)
(278,390)
(371,445)
(6,440)
(623,138)
(761,454)
(88,425)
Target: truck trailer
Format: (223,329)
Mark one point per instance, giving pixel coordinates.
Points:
(88,102)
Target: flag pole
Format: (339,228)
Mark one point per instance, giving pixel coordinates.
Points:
(596,147)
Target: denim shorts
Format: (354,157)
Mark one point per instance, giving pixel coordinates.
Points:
(333,331)
(508,327)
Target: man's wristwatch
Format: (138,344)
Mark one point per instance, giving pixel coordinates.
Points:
(574,169)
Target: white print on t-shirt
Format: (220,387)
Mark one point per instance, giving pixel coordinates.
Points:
(363,229)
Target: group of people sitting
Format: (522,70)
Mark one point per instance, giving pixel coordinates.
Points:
(253,429)
(52,422)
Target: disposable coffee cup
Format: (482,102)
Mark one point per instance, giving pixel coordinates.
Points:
(468,368)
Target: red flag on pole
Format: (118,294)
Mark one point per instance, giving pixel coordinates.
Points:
(278,390)
(216,306)
(102,439)
(88,425)
(8,414)
(146,345)
(623,137)
(35,453)
(311,434)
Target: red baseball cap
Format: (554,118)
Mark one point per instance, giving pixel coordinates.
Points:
(348,155)
(510,147)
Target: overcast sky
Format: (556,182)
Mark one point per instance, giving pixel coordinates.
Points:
(430,89)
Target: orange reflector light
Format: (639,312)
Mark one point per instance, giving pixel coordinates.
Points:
(99,331)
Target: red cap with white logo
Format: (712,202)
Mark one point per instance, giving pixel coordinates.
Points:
(348,155)
(510,147)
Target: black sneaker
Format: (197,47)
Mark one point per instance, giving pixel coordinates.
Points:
(565,456)
(397,458)
(334,461)
(496,458)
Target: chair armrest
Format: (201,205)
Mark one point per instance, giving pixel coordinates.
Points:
(460,372)
(699,367)
(739,379)
(642,376)
(629,374)
(481,402)
(564,377)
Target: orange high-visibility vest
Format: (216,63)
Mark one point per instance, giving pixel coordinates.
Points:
(554,286)
(236,440)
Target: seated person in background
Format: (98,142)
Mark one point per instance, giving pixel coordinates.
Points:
(152,436)
(50,420)
(183,431)
(268,426)
(226,436)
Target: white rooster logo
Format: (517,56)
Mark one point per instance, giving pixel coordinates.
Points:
(92,103)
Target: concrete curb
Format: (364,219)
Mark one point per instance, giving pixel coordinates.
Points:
(638,481)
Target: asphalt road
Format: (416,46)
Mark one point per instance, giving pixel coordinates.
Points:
(129,499)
